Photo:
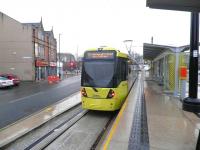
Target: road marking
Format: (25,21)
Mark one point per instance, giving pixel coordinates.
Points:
(114,127)
(19,99)
(49,109)
(67,84)
(59,86)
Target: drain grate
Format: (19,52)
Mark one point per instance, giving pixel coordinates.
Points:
(139,138)
(144,125)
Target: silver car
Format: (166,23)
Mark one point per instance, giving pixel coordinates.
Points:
(4,82)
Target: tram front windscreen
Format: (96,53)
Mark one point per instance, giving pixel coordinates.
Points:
(98,73)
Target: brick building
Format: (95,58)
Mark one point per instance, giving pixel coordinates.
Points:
(26,49)
(45,50)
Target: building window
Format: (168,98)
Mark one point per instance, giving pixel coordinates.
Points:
(36,50)
(33,32)
(40,35)
(41,51)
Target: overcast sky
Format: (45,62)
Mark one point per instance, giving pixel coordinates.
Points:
(92,23)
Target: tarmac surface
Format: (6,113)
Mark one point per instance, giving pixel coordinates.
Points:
(30,97)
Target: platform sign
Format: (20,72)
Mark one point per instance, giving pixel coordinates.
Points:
(183,5)
(183,73)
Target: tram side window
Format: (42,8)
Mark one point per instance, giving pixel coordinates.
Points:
(122,70)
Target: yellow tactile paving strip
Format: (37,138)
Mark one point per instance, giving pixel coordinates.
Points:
(118,137)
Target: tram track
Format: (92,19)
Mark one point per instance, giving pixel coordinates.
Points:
(86,133)
(99,138)
(51,136)
(44,132)
(66,123)
(54,134)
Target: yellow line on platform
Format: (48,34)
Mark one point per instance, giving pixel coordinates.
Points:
(114,127)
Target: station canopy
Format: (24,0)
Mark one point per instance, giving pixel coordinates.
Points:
(183,5)
(151,51)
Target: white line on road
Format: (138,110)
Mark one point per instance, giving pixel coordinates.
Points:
(71,82)
(59,86)
(19,99)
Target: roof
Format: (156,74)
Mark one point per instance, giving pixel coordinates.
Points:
(183,5)
(102,48)
(151,51)
(50,33)
(119,54)
(185,47)
(35,24)
(40,25)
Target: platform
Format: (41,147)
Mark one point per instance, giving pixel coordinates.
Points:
(151,119)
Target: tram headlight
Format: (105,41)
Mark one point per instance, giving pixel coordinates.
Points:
(83,92)
(111,94)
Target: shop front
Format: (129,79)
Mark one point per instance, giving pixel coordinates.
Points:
(41,71)
(52,70)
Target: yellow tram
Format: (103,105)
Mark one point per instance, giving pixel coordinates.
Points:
(107,76)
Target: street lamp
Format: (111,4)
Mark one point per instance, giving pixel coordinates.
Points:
(59,58)
(128,42)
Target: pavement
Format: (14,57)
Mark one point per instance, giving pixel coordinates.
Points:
(152,119)
(169,127)
(30,97)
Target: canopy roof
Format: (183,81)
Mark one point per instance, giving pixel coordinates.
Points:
(151,51)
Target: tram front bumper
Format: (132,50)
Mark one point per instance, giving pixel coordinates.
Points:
(100,104)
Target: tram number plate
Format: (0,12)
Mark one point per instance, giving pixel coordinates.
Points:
(96,96)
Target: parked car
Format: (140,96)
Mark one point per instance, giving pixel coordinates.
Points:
(4,82)
(14,78)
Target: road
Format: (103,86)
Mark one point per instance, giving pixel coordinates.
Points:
(28,98)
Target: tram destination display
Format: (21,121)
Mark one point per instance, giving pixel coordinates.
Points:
(100,55)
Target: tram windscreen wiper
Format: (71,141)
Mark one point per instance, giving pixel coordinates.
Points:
(88,80)
(94,89)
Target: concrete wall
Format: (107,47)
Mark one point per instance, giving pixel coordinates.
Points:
(16,48)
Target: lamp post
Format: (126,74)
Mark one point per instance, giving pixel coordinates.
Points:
(59,57)
(128,42)
(192,103)
(77,61)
